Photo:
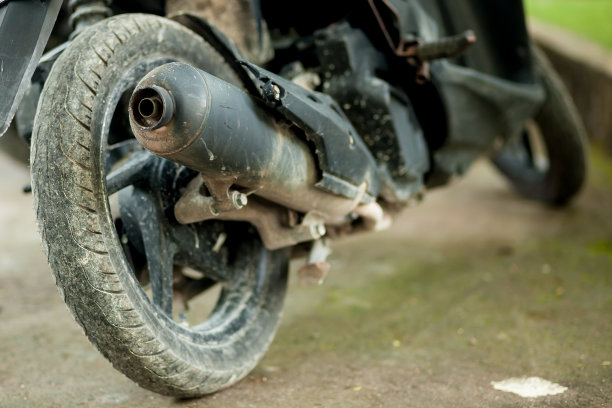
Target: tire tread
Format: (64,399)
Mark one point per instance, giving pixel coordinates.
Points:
(66,194)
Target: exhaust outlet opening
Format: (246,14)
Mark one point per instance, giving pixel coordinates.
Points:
(151,107)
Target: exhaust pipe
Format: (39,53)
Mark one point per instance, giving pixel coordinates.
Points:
(188,116)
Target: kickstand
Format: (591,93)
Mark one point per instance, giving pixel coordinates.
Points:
(316,268)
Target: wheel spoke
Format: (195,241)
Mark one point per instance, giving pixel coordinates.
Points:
(158,246)
(164,242)
(160,260)
(194,287)
(130,172)
(528,149)
(197,252)
(117,151)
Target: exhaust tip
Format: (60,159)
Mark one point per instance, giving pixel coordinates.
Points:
(151,107)
(168,108)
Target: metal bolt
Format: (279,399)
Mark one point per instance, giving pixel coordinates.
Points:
(239,200)
(321,230)
(277,92)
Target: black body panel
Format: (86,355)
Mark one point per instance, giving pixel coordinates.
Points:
(25,27)
(503,43)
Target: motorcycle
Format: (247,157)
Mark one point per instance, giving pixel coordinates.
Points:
(194,147)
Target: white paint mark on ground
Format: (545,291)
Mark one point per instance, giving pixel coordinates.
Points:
(529,387)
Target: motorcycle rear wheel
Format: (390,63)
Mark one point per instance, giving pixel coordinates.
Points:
(548,161)
(81,134)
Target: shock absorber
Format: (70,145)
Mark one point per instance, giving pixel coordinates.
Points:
(87,12)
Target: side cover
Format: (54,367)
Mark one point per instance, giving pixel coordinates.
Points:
(25,27)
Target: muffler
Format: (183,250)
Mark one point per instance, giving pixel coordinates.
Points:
(193,118)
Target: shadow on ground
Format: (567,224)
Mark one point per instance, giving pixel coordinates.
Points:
(473,285)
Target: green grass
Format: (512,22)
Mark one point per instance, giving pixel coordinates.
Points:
(589,18)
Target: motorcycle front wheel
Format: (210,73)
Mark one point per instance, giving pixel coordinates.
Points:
(548,161)
(128,271)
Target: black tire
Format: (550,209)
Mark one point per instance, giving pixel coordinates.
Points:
(93,272)
(560,129)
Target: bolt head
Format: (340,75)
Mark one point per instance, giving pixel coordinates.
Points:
(239,200)
(321,230)
(277,92)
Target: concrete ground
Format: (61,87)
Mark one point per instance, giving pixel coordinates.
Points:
(473,285)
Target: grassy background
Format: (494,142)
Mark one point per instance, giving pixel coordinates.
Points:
(590,18)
